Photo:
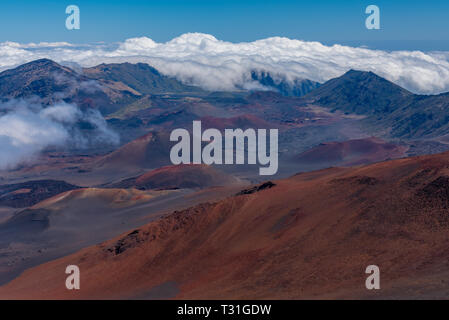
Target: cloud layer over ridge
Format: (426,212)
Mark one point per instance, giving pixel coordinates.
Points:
(27,128)
(203,60)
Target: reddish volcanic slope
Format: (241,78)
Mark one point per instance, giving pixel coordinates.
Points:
(352,152)
(309,236)
(180,176)
(149,151)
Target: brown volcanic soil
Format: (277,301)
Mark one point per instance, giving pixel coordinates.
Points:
(309,236)
(352,152)
(179,177)
(149,151)
(79,218)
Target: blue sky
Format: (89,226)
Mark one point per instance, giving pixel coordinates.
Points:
(407,24)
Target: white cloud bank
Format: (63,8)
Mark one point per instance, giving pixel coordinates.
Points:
(26,128)
(203,60)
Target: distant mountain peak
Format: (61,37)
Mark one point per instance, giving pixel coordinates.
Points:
(52,82)
(355,71)
(359,75)
(360,92)
(42,65)
(42,61)
(40,78)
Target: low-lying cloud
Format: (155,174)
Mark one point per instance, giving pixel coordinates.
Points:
(27,128)
(203,60)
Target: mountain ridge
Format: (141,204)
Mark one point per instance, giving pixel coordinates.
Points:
(389,108)
(359,92)
(140,76)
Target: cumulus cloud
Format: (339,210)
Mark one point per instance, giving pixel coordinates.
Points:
(27,128)
(203,60)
